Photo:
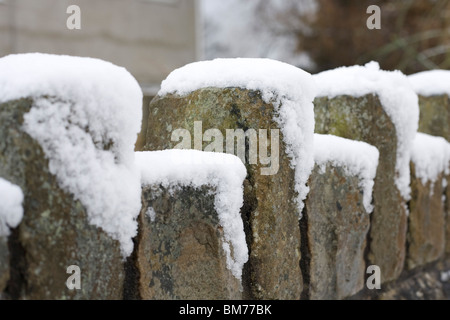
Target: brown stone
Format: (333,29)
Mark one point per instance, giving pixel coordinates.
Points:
(180,253)
(55,232)
(435,115)
(425,285)
(337,227)
(270,212)
(4,264)
(426,227)
(364,119)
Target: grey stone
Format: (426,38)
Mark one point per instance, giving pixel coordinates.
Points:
(140,141)
(435,120)
(180,253)
(337,227)
(364,119)
(435,115)
(425,285)
(54,233)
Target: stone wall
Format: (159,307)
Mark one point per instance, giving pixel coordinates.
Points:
(54,233)
(364,119)
(178,250)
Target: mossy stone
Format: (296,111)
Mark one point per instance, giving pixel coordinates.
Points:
(337,226)
(364,119)
(270,212)
(180,253)
(54,233)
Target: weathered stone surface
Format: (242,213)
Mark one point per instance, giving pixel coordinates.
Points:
(426,225)
(140,141)
(180,253)
(435,115)
(270,213)
(337,227)
(364,119)
(54,232)
(4,264)
(430,283)
(447,214)
(422,286)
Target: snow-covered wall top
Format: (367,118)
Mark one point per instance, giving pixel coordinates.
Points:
(11,210)
(431,157)
(356,157)
(290,89)
(397,97)
(430,83)
(225,172)
(86,115)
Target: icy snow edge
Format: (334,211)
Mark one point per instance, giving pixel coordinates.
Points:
(357,158)
(397,97)
(430,83)
(225,172)
(290,89)
(431,157)
(11,210)
(86,115)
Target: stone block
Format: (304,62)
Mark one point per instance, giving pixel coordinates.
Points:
(270,211)
(54,233)
(180,252)
(364,119)
(426,221)
(337,225)
(435,115)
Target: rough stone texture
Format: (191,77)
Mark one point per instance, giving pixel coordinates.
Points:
(148,38)
(140,141)
(364,119)
(435,115)
(337,227)
(423,286)
(429,282)
(4,264)
(54,232)
(270,213)
(426,225)
(435,120)
(447,214)
(180,253)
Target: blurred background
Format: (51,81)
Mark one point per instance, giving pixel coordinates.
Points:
(153,37)
(323,34)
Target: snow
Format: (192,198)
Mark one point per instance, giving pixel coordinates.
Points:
(358,159)
(86,114)
(431,157)
(430,83)
(225,172)
(290,89)
(397,97)
(11,210)
(151,214)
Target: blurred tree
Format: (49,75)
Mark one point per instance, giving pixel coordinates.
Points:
(414,34)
